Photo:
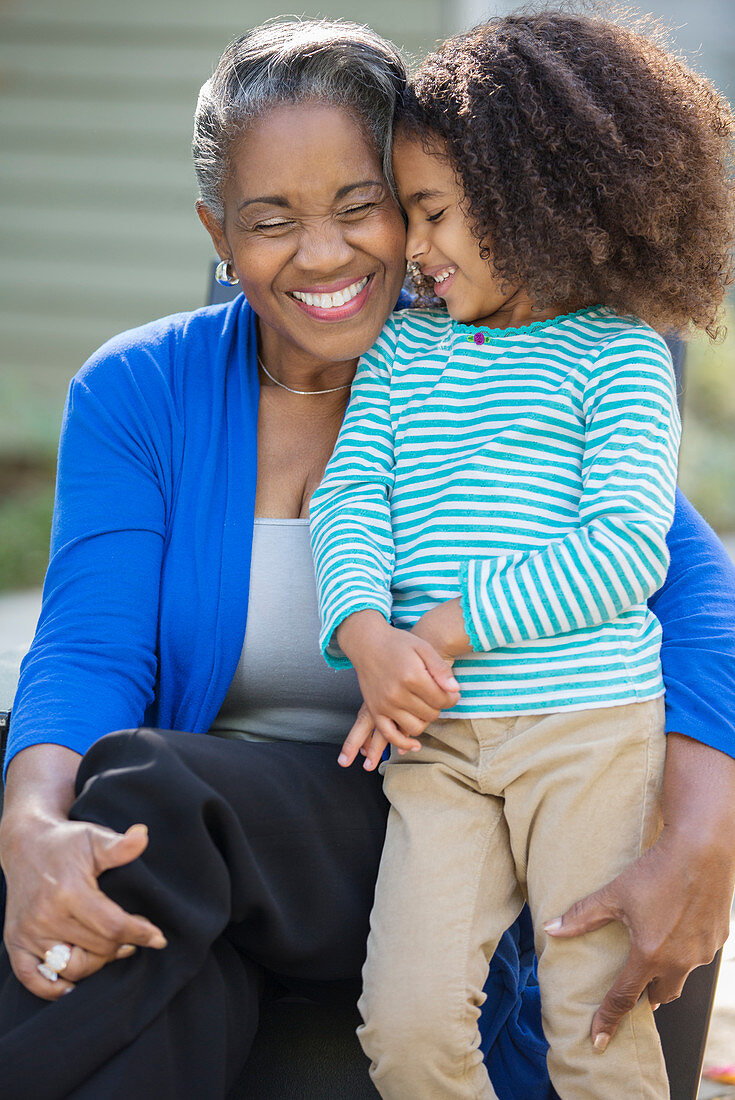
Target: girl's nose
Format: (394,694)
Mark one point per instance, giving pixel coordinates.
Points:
(416,245)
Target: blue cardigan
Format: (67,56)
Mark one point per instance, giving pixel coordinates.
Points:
(145,600)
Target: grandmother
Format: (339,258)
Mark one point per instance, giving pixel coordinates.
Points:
(157,876)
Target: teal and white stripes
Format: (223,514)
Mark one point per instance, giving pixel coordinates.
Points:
(533,476)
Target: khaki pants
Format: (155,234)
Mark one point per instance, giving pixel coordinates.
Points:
(491,812)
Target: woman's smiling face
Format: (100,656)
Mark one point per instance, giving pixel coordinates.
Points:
(312,230)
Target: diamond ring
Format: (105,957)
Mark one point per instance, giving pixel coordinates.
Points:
(55,961)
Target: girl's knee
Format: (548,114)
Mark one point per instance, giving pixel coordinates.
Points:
(416,1031)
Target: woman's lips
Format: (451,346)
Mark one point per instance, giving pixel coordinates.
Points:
(337,313)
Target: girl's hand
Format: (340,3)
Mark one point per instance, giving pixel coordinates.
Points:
(365,739)
(443,627)
(51,868)
(404,682)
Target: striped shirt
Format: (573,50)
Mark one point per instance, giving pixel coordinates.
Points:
(530,472)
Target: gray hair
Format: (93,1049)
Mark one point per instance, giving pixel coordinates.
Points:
(332,61)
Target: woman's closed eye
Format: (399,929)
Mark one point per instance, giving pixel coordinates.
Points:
(273,226)
(435,217)
(361,209)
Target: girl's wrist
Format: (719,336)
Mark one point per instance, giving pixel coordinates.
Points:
(359,630)
(443,627)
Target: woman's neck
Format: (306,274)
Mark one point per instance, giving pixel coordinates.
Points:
(290,368)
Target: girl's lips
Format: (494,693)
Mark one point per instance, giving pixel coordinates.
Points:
(337,313)
(441,289)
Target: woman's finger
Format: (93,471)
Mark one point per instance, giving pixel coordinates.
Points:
(662,991)
(83,963)
(112,924)
(623,995)
(25,967)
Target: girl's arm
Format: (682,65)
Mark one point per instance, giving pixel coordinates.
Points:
(403,681)
(675,900)
(617,557)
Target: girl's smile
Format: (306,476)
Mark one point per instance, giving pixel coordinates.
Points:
(439,239)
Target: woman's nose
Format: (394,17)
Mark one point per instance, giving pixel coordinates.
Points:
(323,247)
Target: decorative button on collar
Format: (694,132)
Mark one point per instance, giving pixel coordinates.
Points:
(477,338)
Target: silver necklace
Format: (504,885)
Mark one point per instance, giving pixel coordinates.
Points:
(304,393)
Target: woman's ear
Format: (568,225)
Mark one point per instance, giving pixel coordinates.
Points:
(215,230)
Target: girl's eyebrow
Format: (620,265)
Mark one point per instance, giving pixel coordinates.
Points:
(419,196)
(281,200)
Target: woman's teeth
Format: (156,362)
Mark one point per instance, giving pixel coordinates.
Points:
(329,301)
(444,275)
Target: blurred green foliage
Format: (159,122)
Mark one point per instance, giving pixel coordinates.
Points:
(707,462)
(26,504)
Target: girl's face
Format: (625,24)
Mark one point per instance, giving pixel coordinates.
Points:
(439,239)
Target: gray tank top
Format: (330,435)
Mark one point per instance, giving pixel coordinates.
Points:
(282,689)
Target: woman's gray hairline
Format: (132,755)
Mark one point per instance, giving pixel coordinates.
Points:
(238,131)
(221,122)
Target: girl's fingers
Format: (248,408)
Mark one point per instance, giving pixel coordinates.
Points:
(439,670)
(433,694)
(390,731)
(374,751)
(356,738)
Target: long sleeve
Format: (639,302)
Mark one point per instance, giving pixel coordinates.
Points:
(617,557)
(696,609)
(350,517)
(92,665)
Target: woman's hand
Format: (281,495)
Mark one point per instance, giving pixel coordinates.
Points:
(675,900)
(51,867)
(404,682)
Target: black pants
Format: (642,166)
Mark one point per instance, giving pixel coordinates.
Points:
(262,858)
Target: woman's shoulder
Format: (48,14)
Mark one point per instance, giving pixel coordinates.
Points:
(158,350)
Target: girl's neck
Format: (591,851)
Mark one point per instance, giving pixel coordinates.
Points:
(520,310)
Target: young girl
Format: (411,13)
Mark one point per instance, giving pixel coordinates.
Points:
(500,493)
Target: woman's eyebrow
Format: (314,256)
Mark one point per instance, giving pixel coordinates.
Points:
(270,200)
(281,200)
(340,194)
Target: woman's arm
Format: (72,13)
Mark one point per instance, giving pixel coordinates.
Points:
(51,865)
(676,899)
(91,668)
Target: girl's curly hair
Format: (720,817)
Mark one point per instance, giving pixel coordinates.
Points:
(596,165)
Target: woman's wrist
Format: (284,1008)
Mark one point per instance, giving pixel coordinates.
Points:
(698,799)
(39,789)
